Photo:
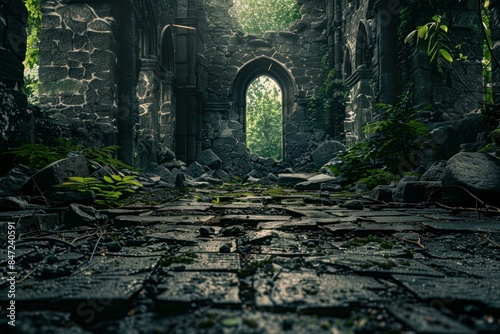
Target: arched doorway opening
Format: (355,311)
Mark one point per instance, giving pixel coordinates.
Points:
(264,131)
(263,66)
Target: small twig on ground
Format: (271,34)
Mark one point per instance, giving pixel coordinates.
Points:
(417,242)
(95,247)
(25,276)
(484,209)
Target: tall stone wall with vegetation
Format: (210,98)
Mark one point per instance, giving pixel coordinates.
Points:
(16,121)
(236,58)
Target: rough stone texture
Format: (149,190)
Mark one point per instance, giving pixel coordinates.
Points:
(413,191)
(208,158)
(13,182)
(78,214)
(16,121)
(326,151)
(477,172)
(129,75)
(45,180)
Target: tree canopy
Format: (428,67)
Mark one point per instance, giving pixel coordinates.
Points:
(264,131)
(258,16)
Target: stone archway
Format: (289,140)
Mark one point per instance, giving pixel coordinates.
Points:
(263,66)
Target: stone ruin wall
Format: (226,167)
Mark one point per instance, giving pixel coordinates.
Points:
(16,121)
(127,73)
(232,56)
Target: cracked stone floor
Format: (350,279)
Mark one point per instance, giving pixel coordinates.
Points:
(260,261)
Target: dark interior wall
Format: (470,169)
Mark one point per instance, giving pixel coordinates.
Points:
(16,122)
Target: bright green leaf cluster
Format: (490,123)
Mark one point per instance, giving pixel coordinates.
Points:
(108,192)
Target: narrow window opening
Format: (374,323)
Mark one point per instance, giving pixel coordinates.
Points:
(264,110)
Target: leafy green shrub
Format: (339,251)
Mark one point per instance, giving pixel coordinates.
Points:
(390,146)
(108,192)
(40,155)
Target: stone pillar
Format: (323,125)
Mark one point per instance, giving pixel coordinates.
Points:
(386,53)
(495,39)
(16,123)
(148,94)
(167,112)
(127,116)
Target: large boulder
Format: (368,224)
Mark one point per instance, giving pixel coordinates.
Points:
(477,172)
(326,151)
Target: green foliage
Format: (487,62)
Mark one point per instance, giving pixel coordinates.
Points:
(34,25)
(435,33)
(30,87)
(258,16)
(493,143)
(390,147)
(40,155)
(108,191)
(330,102)
(264,130)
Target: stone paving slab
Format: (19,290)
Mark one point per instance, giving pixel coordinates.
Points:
(427,320)
(210,246)
(335,220)
(307,224)
(474,267)
(65,291)
(186,288)
(377,265)
(127,221)
(313,213)
(181,207)
(447,290)
(251,219)
(211,262)
(237,205)
(283,244)
(369,213)
(141,251)
(465,226)
(368,227)
(307,291)
(112,266)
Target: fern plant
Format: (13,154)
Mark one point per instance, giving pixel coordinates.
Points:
(40,155)
(389,148)
(108,192)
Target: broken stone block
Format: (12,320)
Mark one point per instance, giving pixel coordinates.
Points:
(477,172)
(291,179)
(185,288)
(326,151)
(314,183)
(45,180)
(79,197)
(415,191)
(308,291)
(208,158)
(13,203)
(78,215)
(382,193)
(13,182)
(195,170)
